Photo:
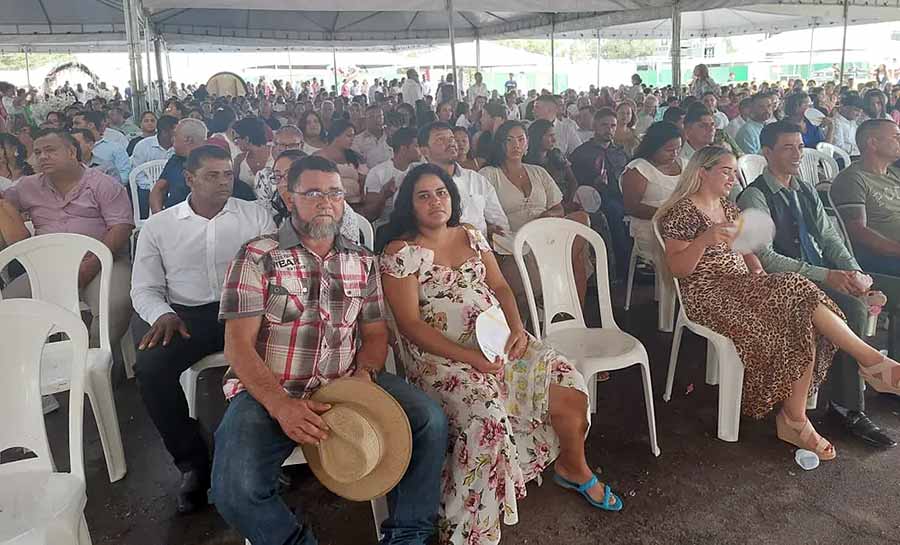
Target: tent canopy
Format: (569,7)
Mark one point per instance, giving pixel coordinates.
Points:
(218,24)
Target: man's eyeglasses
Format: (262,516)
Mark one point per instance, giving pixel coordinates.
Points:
(316,195)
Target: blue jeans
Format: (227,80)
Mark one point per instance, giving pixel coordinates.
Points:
(250,448)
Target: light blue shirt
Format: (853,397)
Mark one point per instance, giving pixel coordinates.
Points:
(145,151)
(747,138)
(113,159)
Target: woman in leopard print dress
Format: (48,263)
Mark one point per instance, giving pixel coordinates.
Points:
(785,329)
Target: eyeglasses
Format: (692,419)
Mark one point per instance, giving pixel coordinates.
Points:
(316,195)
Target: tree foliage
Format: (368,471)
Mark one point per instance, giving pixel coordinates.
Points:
(585,49)
(16,61)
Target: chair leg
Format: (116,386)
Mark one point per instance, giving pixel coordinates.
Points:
(673,358)
(631,266)
(188,380)
(100,394)
(84,536)
(731,385)
(592,392)
(666,308)
(380,514)
(129,355)
(648,401)
(712,364)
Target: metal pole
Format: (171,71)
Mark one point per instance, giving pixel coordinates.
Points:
(676,49)
(553,54)
(27,67)
(453,45)
(132,35)
(334,60)
(161,86)
(598,59)
(290,68)
(809,66)
(477,53)
(147,37)
(844,42)
(169,76)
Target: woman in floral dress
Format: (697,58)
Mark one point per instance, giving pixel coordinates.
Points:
(509,421)
(786,330)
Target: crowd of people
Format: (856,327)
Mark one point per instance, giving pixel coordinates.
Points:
(251,246)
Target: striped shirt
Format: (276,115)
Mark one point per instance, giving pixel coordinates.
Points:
(310,306)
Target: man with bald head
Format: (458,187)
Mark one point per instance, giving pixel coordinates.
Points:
(867,196)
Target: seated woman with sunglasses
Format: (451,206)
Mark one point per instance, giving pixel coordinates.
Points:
(508,421)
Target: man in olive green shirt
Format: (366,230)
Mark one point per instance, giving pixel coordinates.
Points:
(867,195)
(807,243)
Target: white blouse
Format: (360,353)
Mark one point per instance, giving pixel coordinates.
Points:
(521,208)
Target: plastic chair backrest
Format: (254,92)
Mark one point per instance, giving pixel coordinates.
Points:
(367,232)
(550,241)
(809,166)
(833,151)
(662,244)
(24,327)
(831,211)
(751,166)
(152,169)
(51,263)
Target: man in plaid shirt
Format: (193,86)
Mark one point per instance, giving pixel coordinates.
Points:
(304,307)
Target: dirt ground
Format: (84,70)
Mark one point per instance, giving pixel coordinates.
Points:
(699,491)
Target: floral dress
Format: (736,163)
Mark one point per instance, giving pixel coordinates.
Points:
(500,434)
(769,317)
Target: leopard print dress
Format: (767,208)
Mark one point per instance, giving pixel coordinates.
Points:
(769,317)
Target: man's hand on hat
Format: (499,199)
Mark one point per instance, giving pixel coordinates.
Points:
(163,329)
(300,420)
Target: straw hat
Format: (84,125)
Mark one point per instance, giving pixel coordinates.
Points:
(369,443)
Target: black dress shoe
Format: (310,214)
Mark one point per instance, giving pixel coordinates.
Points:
(192,492)
(859,425)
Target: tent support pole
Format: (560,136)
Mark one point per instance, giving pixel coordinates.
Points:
(147,37)
(290,68)
(160,83)
(453,45)
(676,49)
(337,91)
(809,67)
(844,43)
(553,53)
(477,53)
(133,35)
(598,60)
(168,62)
(27,66)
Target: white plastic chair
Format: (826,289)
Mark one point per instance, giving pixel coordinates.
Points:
(39,506)
(367,231)
(663,293)
(51,262)
(592,350)
(152,169)
(810,162)
(751,166)
(834,152)
(723,367)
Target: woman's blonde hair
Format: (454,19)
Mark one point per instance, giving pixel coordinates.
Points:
(689,183)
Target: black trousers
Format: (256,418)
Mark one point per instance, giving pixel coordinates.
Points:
(158,370)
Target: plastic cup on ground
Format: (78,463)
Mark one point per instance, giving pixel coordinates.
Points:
(806,459)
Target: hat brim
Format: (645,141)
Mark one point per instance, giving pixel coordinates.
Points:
(391,420)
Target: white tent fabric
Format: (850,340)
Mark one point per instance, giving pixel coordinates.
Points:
(222,24)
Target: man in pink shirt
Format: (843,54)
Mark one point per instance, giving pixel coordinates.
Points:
(66,197)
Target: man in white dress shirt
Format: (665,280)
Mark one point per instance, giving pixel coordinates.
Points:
(383,180)
(412,90)
(845,123)
(372,143)
(480,205)
(477,89)
(178,271)
(152,148)
(567,139)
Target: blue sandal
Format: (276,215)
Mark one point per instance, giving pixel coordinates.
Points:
(583,490)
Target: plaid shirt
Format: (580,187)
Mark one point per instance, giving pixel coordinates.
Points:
(310,306)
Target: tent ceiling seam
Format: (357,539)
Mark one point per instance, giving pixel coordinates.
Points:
(471,24)
(170,16)
(46,15)
(412,20)
(354,23)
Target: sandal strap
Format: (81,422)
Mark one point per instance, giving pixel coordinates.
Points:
(607,494)
(588,485)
